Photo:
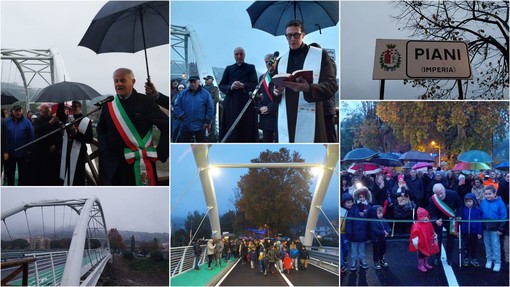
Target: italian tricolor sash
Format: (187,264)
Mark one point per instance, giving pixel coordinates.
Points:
(140,151)
(265,83)
(446,210)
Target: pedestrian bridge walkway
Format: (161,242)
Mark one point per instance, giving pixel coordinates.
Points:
(322,271)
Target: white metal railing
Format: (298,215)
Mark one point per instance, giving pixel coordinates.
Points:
(183,258)
(323,254)
(48,268)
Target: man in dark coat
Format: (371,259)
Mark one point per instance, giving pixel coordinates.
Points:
(237,82)
(46,159)
(117,164)
(267,108)
(415,188)
(294,115)
(437,215)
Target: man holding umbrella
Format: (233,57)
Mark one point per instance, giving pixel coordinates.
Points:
(292,117)
(126,152)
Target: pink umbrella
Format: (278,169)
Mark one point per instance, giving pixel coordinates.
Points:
(368,168)
(422,165)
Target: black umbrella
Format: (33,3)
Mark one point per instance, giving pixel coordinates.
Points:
(66,91)
(414,155)
(359,154)
(386,159)
(272,16)
(8,98)
(129,26)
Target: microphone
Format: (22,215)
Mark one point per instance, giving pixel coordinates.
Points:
(273,59)
(100,103)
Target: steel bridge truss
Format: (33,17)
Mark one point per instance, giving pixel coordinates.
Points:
(89,250)
(201,153)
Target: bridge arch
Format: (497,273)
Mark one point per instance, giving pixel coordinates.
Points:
(201,154)
(83,264)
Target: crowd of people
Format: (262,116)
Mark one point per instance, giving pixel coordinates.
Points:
(262,255)
(419,204)
(49,148)
(298,111)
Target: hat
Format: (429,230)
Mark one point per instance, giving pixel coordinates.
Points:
(438,173)
(194,78)
(209,77)
(180,86)
(16,107)
(346,196)
(400,177)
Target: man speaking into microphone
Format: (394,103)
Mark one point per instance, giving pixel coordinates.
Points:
(300,111)
(127,155)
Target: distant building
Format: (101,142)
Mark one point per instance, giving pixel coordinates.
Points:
(39,243)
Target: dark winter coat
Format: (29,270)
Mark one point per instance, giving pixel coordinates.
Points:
(415,189)
(473,213)
(377,228)
(357,230)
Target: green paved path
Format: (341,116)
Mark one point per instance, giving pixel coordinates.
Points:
(199,277)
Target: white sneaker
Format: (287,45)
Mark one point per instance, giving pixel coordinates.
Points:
(497,267)
(488,265)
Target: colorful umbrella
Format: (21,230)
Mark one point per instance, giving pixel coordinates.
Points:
(471,166)
(368,167)
(422,165)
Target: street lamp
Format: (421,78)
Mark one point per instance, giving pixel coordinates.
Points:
(433,143)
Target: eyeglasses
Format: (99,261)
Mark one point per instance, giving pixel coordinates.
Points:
(295,36)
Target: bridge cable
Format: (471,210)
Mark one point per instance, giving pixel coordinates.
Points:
(185,190)
(54,222)
(7,229)
(329,221)
(44,232)
(63,221)
(315,235)
(28,225)
(196,231)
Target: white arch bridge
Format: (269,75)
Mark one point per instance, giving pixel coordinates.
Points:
(84,261)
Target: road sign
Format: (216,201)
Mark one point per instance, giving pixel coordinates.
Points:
(410,59)
(438,60)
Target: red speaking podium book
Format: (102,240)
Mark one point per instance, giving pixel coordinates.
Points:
(278,79)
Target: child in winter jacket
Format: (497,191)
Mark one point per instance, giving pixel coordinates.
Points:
(347,202)
(357,230)
(471,230)
(287,262)
(423,239)
(379,230)
(493,208)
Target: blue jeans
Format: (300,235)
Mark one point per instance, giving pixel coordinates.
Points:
(358,251)
(492,246)
(343,249)
(197,259)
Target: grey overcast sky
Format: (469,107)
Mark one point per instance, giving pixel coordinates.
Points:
(222,26)
(125,208)
(61,25)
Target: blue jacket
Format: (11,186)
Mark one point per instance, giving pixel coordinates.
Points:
(377,228)
(473,213)
(494,209)
(357,230)
(19,133)
(194,109)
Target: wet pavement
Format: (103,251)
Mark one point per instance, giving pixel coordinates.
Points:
(402,270)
